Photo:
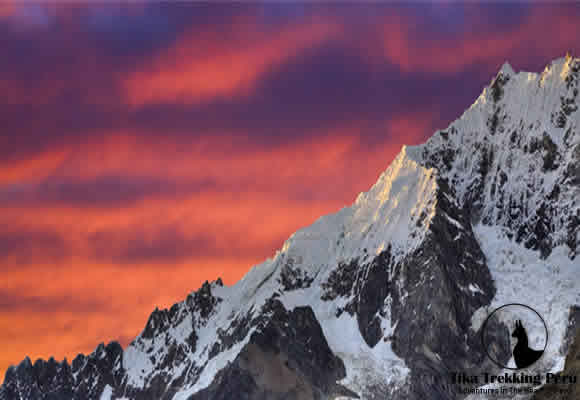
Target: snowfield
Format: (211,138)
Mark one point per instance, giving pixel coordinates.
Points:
(549,286)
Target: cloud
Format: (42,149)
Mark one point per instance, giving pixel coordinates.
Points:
(99,191)
(181,143)
(19,247)
(34,167)
(485,45)
(225,62)
(6,9)
(12,301)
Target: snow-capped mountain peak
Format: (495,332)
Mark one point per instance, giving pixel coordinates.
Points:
(366,302)
(506,69)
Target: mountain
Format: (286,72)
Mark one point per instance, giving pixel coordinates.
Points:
(385,298)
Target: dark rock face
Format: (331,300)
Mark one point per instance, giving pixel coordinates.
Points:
(293,277)
(573,326)
(430,296)
(368,286)
(287,357)
(203,301)
(497,91)
(572,173)
(438,288)
(341,281)
(51,380)
(372,291)
(568,103)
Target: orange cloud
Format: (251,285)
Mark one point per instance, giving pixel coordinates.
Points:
(206,65)
(110,258)
(35,168)
(6,9)
(489,47)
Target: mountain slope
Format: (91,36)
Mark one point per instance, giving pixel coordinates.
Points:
(522,169)
(370,301)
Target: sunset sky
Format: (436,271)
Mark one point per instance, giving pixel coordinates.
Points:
(147,148)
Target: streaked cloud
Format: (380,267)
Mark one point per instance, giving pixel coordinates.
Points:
(224,63)
(178,143)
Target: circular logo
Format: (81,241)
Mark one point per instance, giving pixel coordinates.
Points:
(528,336)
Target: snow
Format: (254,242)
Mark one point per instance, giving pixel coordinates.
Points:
(549,286)
(214,365)
(379,217)
(454,222)
(107,393)
(364,365)
(474,288)
(138,365)
(506,68)
(526,107)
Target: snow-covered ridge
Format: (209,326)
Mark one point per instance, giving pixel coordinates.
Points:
(384,216)
(525,96)
(514,155)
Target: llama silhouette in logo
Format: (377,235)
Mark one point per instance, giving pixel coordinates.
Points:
(523,355)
